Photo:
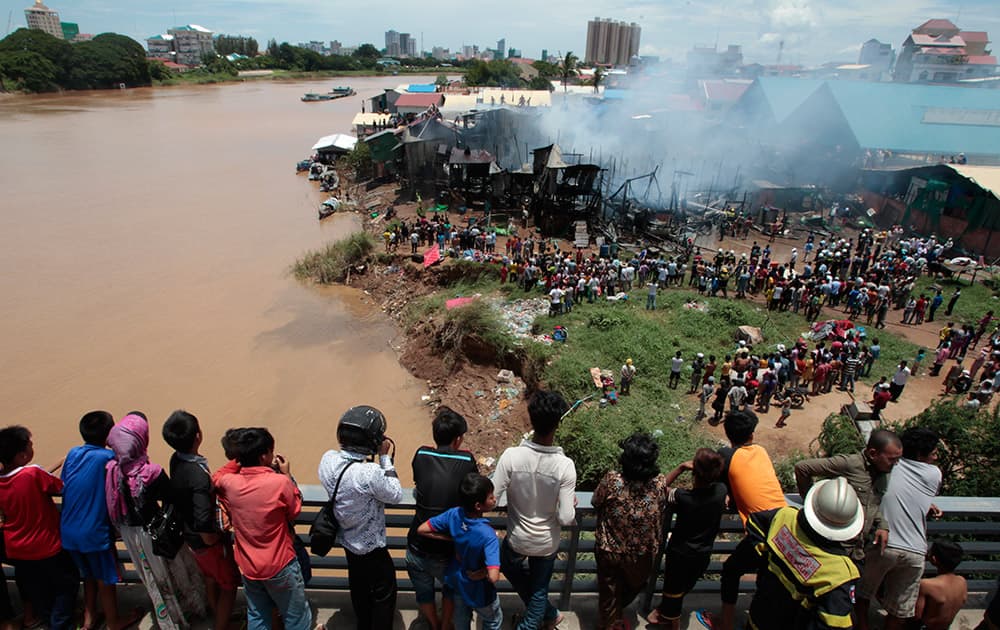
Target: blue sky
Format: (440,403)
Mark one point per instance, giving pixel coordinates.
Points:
(813,31)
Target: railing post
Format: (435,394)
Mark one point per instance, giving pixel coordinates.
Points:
(570,573)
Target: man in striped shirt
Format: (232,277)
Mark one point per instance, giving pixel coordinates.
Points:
(850,372)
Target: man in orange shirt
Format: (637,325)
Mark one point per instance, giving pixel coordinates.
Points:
(753,487)
(261,500)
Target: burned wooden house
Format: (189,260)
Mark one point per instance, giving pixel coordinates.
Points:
(469,173)
(563,192)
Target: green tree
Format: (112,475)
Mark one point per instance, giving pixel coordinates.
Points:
(272,47)
(599,73)
(496,73)
(969,456)
(360,159)
(158,71)
(568,68)
(27,70)
(441,80)
(547,70)
(57,51)
(540,83)
(107,61)
(367,51)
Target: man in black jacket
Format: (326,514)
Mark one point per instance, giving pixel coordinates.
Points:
(437,473)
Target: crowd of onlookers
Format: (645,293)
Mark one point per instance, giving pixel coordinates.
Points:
(861,528)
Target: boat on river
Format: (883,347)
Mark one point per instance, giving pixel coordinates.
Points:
(338,92)
(313,97)
(342,91)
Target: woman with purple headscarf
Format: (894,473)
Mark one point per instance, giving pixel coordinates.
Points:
(135,489)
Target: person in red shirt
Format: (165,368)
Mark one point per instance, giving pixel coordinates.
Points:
(261,498)
(45,571)
(879,400)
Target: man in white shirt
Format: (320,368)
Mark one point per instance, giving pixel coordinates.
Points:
(539,484)
(898,381)
(908,500)
(676,364)
(364,490)
(555,301)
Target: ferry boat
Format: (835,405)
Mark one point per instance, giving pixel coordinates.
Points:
(312,97)
(341,91)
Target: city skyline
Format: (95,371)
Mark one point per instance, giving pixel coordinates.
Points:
(812,31)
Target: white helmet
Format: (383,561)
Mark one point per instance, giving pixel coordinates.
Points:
(833,510)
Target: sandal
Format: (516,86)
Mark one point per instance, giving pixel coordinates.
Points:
(705,618)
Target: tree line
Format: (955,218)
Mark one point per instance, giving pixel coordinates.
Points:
(35,61)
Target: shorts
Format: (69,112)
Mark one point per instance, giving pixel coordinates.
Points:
(218,564)
(899,571)
(680,574)
(424,570)
(98,565)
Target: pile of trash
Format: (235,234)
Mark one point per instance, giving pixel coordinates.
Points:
(505,394)
(519,315)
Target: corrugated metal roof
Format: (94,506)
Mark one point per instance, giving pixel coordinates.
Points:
(784,94)
(987,177)
(418,100)
(891,116)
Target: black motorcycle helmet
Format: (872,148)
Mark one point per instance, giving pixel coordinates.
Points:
(361,430)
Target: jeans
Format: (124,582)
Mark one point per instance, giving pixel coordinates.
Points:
(490,615)
(286,591)
(50,585)
(530,577)
(372,580)
(650,302)
(423,571)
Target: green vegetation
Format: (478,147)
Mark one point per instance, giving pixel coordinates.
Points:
(35,61)
(837,436)
(331,264)
(496,73)
(360,160)
(969,456)
(976,299)
(477,319)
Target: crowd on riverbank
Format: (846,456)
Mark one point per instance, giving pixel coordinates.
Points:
(235,527)
(860,280)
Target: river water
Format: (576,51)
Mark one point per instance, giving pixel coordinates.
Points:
(145,238)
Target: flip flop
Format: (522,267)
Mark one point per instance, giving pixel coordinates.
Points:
(705,618)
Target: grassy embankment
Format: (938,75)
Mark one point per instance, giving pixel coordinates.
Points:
(976,298)
(603,335)
(332,263)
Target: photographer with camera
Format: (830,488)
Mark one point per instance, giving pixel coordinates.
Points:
(365,487)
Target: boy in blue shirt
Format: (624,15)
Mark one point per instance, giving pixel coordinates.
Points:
(476,567)
(85,527)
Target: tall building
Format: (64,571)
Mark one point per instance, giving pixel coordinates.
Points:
(937,51)
(611,42)
(501,48)
(392,44)
(181,44)
(877,55)
(404,44)
(42,18)
(335,47)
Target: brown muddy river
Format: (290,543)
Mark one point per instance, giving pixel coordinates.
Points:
(145,237)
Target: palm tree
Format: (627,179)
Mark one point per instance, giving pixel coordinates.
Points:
(598,77)
(568,68)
